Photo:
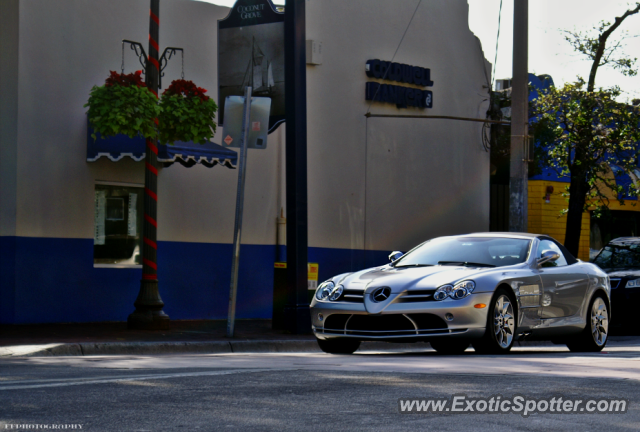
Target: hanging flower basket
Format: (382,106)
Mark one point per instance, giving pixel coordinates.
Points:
(187,114)
(123,105)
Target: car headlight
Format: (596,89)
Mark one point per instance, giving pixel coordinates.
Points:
(336,293)
(633,283)
(457,292)
(324,290)
(463,289)
(443,292)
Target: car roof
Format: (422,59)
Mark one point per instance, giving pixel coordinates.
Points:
(506,235)
(625,240)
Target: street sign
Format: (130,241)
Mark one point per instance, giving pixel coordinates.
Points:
(251,53)
(259,122)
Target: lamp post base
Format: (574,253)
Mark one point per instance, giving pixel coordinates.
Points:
(148,314)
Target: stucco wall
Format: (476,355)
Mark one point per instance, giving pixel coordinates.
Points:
(418,173)
(387,184)
(82,43)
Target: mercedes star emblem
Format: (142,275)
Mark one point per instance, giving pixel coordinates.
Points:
(381,294)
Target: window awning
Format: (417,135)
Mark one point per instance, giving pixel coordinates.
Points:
(186,153)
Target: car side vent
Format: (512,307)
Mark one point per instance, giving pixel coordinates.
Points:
(352,296)
(415,296)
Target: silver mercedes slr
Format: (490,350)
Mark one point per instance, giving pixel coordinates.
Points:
(486,290)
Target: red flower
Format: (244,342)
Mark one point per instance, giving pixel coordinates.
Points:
(125,80)
(187,89)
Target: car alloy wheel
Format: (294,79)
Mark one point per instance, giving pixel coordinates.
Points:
(595,334)
(503,323)
(599,321)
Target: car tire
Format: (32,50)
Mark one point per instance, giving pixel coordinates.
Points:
(338,346)
(449,346)
(595,335)
(501,324)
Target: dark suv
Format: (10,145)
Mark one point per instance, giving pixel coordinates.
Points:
(620,259)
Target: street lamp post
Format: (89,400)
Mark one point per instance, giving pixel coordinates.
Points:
(149,314)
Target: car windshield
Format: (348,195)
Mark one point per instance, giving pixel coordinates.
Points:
(619,256)
(467,251)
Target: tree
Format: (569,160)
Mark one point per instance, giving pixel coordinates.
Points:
(589,130)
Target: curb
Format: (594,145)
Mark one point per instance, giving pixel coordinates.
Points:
(154,348)
(212,347)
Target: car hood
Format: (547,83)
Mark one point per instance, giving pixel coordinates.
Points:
(407,278)
(621,273)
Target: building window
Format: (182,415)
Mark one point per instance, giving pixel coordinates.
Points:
(117,239)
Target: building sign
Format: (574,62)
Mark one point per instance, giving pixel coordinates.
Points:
(251,53)
(402,96)
(312,276)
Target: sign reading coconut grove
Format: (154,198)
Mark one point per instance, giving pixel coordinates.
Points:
(402,96)
(251,53)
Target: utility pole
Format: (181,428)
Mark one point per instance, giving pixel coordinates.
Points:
(297,318)
(518,183)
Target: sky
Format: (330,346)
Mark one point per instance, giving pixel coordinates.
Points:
(549,53)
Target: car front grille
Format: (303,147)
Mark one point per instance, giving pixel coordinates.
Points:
(389,325)
(615,282)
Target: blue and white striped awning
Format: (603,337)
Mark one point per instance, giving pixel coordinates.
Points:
(186,153)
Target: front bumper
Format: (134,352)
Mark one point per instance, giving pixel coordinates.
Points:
(402,321)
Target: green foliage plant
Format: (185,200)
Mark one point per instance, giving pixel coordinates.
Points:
(187,114)
(123,105)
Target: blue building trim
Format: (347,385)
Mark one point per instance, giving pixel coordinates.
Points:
(52,280)
(7,278)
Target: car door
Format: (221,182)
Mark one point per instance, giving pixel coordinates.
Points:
(564,284)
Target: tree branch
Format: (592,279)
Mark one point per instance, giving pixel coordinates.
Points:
(602,43)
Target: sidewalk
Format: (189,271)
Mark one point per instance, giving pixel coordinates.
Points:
(115,339)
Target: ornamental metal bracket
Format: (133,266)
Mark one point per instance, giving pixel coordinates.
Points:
(138,48)
(164,59)
(143,59)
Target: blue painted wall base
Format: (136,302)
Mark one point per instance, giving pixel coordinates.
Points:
(52,280)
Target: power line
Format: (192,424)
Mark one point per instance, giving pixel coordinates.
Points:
(495,60)
(394,54)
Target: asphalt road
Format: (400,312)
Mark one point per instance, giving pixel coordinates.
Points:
(312,391)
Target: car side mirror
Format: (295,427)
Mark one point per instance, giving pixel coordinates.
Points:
(395,255)
(547,255)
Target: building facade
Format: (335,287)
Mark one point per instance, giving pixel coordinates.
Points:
(375,184)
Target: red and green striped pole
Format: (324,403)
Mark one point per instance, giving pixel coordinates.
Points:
(149,314)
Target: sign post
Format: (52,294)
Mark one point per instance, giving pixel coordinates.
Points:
(237,229)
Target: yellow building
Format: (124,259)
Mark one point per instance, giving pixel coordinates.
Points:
(546,202)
